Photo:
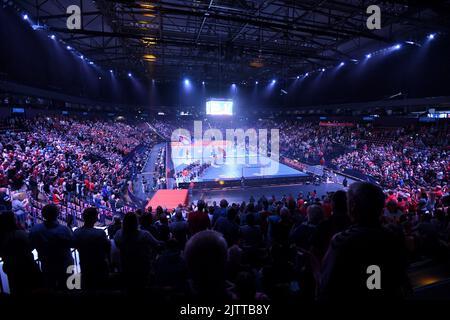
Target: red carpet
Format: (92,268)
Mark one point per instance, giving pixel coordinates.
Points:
(169,199)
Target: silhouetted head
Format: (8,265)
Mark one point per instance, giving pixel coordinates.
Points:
(223,203)
(130,223)
(201,205)
(285,213)
(179,215)
(50,213)
(339,202)
(315,214)
(232,213)
(206,256)
(365,203)
(90,216)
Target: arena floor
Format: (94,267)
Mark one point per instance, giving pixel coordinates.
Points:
(232,166)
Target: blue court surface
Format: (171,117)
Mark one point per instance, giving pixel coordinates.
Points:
(232,166)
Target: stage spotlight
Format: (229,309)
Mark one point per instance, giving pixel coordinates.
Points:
(397,46)
(323,69)
(431,36)
(342,64)
(25,17)
(52,37)
(256,82)
(91,62)
(129,74)
(81,57)
(369,55)
(306,74)
(274,81)
(69,48)
(186,82)
(298,77)
(110,71)
(203,82)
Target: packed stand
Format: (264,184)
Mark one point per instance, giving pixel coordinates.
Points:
(291,249)
(68,161)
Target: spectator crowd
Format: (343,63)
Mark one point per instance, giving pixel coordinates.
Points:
(63,160)
(306,247)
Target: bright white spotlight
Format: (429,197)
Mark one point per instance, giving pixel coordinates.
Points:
(369,55)
(25,17)
(323,69)
(306,74)
(397,46)
(256,82)
(81,57)
(203,82)
(69,48)
(110,71)
(186,82)
(298,77)
(274,81)
(342,64)
(129,74)
(91,62)
(431,36)
(52,37)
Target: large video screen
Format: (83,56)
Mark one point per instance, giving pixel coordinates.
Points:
(219,107)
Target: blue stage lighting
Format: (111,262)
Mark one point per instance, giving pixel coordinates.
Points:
(323,69)
(186,82)
(203,82)
(274,81)
(298,77)
(129,74)
(369,55)
(431,36)
(256,82)
(69,48)
(306,74)
(52,37)
(397,46)
(25,17)
(342,64)
(110,71)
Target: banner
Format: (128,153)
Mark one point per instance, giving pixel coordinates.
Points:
(336,124)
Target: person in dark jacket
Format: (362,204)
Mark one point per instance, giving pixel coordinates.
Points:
(366,261)
(53,242)
(18,262)
(93,247)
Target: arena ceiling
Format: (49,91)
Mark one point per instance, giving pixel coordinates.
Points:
(232,40)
